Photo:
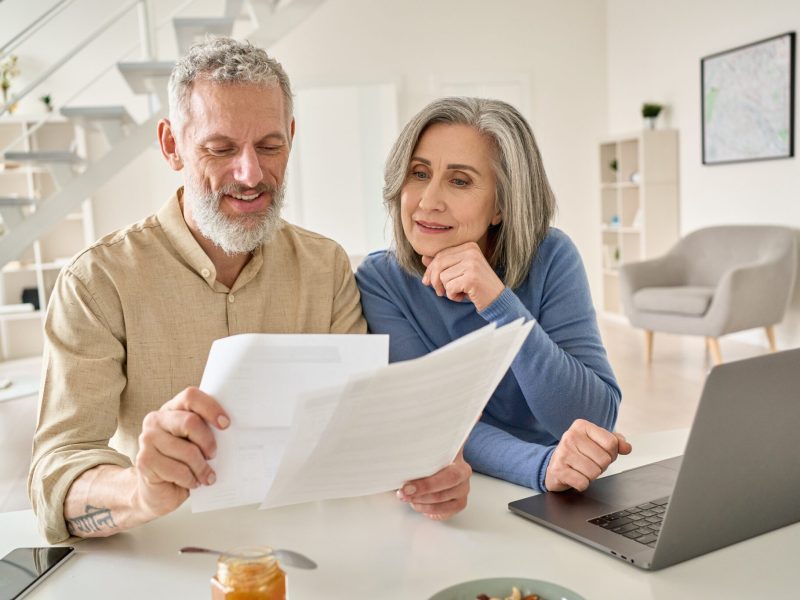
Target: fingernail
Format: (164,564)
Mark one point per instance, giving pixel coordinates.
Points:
(213,453)
(223,421)
(212,477)
(400,496)
(409,490)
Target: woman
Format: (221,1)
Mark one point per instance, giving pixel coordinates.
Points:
(471,207)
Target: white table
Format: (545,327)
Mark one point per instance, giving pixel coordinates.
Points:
(377,548)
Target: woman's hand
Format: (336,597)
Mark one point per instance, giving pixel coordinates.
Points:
(583,454)
(441,495)
(463,272)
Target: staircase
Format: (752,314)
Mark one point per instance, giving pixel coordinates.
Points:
(76,178)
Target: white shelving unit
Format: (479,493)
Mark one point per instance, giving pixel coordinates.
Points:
(639,205)
(38,267)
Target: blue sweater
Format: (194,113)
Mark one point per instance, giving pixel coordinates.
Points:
(560,374)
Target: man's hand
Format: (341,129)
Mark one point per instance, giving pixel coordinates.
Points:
(441,495)
(174,448)
(463,272)
(582,455)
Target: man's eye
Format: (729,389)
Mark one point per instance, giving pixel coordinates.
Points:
(269,149)
(220,151)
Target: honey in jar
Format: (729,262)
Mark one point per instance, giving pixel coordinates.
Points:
(248,574)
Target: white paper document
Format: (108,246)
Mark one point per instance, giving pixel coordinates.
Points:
(402,422)
(367,431)
(259,379)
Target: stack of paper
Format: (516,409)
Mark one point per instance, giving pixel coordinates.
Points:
(308,426)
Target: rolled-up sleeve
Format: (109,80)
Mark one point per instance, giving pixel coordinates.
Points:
(83,377)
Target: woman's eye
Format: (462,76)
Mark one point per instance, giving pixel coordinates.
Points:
(459,182)
(419,175)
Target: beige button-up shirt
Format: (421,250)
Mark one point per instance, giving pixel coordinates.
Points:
(131,322)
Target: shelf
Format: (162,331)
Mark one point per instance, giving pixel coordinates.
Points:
(618,185)
(612,229)
(611,272)
(32,268)
(21,316)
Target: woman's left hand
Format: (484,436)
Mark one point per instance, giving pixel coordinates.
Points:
(463,272)
(441,495)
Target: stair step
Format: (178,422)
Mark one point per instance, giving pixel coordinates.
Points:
(189,29)
(16,201)
(43,157)
(97,113)
(233,8)
(141,76)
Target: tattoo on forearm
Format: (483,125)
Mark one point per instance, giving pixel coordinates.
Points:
(95,520)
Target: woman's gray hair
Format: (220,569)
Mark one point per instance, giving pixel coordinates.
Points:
(523,194)
(224,60)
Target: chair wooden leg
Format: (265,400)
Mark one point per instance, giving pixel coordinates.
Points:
(648,346)
(713,348)
(771,338)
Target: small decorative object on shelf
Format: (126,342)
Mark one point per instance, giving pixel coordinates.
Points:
(47,100)
(613,165)
(614,221)
(8,71)
(650,112)
(636,177)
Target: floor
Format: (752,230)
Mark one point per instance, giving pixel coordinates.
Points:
(658,397)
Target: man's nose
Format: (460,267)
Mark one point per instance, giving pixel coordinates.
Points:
(247,170)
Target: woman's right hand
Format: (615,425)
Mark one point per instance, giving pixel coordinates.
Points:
(583,454)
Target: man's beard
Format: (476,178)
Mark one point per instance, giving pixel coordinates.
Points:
(234,234)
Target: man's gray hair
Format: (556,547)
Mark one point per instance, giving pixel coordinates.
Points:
(523,195)
(224,60)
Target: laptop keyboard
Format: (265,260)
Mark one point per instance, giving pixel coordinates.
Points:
(640,523)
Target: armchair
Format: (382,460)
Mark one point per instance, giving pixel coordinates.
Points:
(712,282)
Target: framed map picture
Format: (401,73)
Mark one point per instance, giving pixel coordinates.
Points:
(748,102)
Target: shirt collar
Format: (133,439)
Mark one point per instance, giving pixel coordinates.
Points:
(177,231)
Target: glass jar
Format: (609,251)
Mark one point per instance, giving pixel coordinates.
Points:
(248,574)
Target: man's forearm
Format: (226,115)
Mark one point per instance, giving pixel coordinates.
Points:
(102,502)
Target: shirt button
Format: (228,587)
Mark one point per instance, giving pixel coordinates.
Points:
(205,273)
(231,298)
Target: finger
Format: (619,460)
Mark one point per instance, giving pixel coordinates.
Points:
(426,260)
(585,466)
(449,477)
(594,452)
(166,470)
(574,479)
(624,445)
(604,438)
(454,493)
(184,424)
(187,453)
(442,510)
(454,288)
(196,401)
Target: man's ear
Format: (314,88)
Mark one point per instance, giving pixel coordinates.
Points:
(291,130)
(169,146)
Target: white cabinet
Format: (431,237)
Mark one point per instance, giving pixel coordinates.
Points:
(34,273)
(639,207)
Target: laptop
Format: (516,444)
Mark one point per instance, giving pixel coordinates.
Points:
(739,475)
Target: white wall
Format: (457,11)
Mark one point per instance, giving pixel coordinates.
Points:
(556,48)
(654,52)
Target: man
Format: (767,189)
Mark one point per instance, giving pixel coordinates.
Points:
(133,317)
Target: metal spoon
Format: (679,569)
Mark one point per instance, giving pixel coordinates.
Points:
(288,558)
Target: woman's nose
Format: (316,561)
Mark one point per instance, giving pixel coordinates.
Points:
(430,198)
(247,170)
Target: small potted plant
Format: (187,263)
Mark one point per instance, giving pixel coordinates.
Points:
(650,111)
(8,71)
(47,100)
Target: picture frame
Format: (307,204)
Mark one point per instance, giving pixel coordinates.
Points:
(747,102)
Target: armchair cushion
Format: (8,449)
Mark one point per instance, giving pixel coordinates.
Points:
(683,300)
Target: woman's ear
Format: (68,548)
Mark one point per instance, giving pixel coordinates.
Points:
(497,218)
(169,146)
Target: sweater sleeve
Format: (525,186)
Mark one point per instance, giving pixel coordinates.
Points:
(562,368)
